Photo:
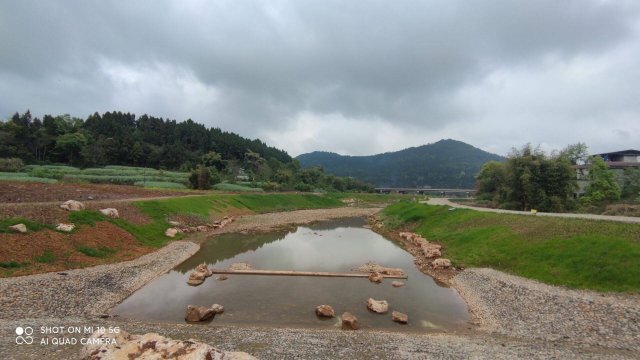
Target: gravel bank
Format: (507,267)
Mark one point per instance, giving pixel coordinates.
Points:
(86,292)
(322,344)
(522,308)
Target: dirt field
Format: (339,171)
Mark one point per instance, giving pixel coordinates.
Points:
(20,192)
(47,250)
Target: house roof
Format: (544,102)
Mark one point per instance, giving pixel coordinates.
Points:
(622,152)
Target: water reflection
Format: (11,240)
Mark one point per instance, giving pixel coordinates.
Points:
(289,301)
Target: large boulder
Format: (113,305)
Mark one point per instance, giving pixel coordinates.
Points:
(196,278)
(203,268)
(440,264)
(378,306)
(19,228)
(171,232)
(349,321)
(121,345)
(399,317)
(65,227)
(110,212)
(431,250)
(325,311)
(72,205)
(197,313)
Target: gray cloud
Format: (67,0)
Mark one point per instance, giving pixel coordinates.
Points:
(480,71)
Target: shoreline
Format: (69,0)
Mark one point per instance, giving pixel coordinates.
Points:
(517,317)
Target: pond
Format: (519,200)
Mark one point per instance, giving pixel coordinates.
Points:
(279,301)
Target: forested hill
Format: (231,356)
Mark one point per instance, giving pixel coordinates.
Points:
(123,139)
(446,163)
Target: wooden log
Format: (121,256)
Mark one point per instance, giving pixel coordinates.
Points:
(301,273)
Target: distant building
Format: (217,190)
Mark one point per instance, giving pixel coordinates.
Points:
(617,161)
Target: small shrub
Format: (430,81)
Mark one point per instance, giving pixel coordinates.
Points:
(11,164)
(101,252)
(10,264)
(47,257)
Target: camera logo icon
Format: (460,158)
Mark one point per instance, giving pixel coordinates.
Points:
(24,335)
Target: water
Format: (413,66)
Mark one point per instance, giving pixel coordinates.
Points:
(336,246)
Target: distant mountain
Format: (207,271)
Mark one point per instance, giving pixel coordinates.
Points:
(444,164)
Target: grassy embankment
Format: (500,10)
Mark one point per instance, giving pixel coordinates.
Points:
(151,234)
(576,253)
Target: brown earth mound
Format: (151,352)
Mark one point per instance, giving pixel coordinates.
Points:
(49,250)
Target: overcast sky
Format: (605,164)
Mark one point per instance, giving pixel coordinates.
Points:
(352,77)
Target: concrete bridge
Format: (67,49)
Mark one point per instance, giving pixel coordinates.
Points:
(428,191)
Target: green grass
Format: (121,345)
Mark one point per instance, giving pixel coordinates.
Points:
(24,177)
(11,264)
(236,187)
(576,253)
(152,234)
(123,175)
(160,184)
(47,257)
(86,217)
(100,252)
(31,225)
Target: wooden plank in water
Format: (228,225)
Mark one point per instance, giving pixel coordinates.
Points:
(301,273)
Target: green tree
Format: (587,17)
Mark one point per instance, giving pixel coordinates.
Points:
(70,145)
(602,185)
(491,182)
(529,179)
(631,184)
(576,154)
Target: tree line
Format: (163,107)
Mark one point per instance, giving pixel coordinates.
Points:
(117,138)
(533,179)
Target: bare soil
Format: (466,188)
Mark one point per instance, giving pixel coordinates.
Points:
(20,192)
(47,250)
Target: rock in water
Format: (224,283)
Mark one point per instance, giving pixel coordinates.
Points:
(439,264)
(240,266)
(375,277)
(196,278)
(72,205)
(325,311)
(378,306)
(102,346)
(20,228)
(197,313)
(399,317)
(349,321)
(397,284)
(203,268)
(223,277)
(110,212)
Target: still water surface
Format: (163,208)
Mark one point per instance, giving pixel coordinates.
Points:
(338,246)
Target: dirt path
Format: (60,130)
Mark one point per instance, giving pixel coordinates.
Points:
(446,202)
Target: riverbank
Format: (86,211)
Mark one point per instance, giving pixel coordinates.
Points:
(519,318)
